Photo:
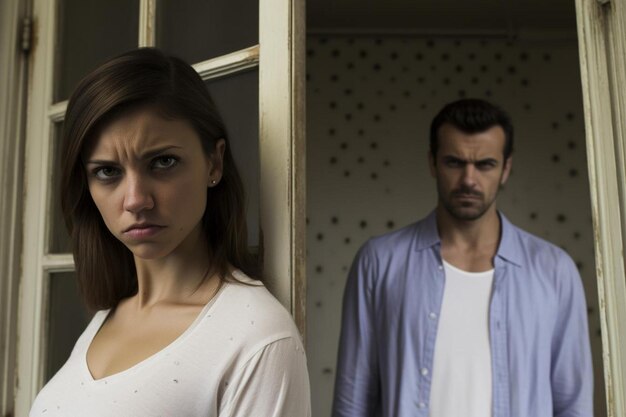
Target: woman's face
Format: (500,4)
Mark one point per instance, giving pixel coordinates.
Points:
(148,176)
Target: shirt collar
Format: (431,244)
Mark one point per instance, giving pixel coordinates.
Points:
(509,250)
(427,234)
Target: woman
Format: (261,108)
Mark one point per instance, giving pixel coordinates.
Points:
(155,208)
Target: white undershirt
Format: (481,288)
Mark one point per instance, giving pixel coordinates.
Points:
(461,381)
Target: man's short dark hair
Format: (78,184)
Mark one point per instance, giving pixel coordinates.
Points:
(470,116)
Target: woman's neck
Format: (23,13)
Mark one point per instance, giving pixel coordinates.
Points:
(182,276)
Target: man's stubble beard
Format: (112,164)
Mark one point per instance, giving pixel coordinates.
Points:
(460,213)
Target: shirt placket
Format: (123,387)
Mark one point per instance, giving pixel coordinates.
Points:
(498,331)
(432,313)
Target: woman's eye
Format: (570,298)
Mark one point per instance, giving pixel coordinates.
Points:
(164,162)
(106,173)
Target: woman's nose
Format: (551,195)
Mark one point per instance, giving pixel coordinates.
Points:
(138,196)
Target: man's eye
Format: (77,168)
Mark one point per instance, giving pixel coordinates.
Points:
(164,162)
(485,165)
(106,173)
(453,163)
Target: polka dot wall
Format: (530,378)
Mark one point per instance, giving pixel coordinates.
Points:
(369,105)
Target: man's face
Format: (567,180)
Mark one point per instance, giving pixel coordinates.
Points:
(469,169)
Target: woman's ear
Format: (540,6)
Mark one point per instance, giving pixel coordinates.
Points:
(216,163)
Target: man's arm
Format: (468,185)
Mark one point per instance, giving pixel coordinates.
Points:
(357,384)
(571,373)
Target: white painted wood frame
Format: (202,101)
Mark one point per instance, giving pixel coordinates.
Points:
(33,286)
(282,151)
(602,46)
(147,22)
(13,66)
(281,113)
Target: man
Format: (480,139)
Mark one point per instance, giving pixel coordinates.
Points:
(462,314)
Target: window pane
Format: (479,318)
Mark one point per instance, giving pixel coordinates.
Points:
(67,318)
(90,31)
(237,98)
(58,238)
(196,30)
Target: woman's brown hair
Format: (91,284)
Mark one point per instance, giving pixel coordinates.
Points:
(144,77)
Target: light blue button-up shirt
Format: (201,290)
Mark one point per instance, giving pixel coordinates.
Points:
(540,352)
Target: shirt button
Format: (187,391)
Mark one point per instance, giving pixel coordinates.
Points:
(432,316)
(424,371)
(421,405)
(440,267)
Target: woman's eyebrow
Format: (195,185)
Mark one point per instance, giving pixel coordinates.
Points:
(100,162)
(154,152)
(146,155)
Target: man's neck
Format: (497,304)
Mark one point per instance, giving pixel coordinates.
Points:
(469,244)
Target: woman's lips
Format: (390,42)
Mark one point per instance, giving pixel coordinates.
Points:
(138,232)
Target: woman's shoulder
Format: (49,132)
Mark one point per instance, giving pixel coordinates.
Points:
(250,297)
(247,307)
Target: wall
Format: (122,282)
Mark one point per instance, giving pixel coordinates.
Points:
(369,104)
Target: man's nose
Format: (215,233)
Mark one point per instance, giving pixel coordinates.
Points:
(469,175)
(138,195)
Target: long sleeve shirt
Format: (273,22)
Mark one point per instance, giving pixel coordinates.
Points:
(540,351)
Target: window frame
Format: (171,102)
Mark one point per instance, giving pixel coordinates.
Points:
(281,148)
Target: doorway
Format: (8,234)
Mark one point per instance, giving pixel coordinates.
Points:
(375,78)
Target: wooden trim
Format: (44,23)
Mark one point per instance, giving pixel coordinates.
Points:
(517,34)
(13,66)
(228,64)
(56,112)
(57,263)
(602,47)
(32,301)
(298,117)
(282,144)
(147,23)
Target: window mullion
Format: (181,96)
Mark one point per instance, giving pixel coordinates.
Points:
(56,112)
(228,64)
(60,262)
(147,22)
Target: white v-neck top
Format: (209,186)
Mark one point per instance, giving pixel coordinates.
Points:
(461,379)
(242,356)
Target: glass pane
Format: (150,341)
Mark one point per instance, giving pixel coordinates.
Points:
(67,318)
(90,31)
(196,30)
(58,238)
(237,98)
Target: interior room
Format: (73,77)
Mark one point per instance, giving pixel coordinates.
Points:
(330,132)
(377,73)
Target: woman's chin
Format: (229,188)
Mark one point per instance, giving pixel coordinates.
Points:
(148,252)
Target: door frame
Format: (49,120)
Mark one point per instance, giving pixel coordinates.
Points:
(602,49)
(13,80)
